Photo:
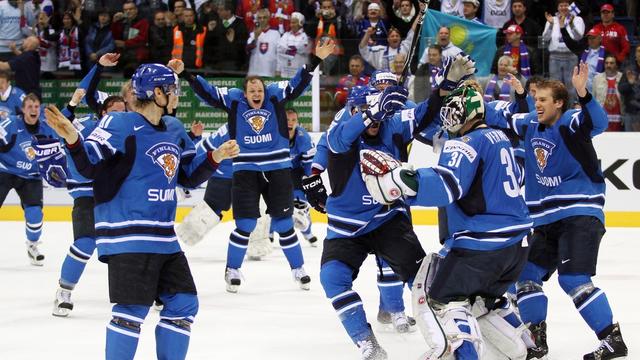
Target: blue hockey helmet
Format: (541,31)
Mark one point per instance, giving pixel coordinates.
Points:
(150,76)
(382,77)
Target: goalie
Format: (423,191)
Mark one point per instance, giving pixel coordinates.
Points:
(477,179)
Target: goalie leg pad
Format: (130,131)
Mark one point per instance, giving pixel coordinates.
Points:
(197,224)
(259,243)
(301,218)
(428,319)
(501,336)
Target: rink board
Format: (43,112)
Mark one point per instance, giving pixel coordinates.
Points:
(618,152)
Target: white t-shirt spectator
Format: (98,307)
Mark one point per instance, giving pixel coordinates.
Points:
(9,26)
(293,52)
(263,59)
(552,33)
(452,7)
(496,12)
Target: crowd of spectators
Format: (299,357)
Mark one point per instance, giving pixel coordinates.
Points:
(274,37)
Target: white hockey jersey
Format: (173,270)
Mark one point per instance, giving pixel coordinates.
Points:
(293,52)
(263,53)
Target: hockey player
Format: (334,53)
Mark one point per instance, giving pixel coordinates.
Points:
(81,188)
(19,169)
(257,118)
(565,194)
(136,159)
(302,150)
(357,223)
(391,306)
(10,96)
(477,180)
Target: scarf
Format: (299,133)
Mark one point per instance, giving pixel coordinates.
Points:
(505,90)
(600,66)
(69,55)
(523,63)
(434,72)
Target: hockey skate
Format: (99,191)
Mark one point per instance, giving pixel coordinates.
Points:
(371,350)
(611,346)
(387,318)
(62,305)
(313,241)
(300,276)
(539,333)
(233,279)
(34,254)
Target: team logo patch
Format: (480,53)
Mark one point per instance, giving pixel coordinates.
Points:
(167,156)
(264,47)
(29,152)
(256,118)
(542,149)
(4,112)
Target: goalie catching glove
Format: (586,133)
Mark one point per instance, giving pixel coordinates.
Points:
(386,178)
(454,71)
(52,161)
(384,104)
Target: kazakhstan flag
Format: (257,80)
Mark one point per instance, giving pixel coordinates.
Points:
(477,40)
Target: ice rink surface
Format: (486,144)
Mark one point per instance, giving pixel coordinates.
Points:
(269,318)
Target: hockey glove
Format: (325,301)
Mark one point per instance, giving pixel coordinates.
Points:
(52,161)
(385,104)
(455,70)
(315,191)
(393,185)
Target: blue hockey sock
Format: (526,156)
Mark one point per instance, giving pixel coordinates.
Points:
(288,240)
(291,248)
(590,301)
(123,331)
(238,243)
(33,220)
(174,329)
(75,261)
(532,302)
(336,280)
(390,288)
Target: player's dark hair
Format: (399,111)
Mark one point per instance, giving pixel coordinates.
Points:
(4,74)
(535,79)
(563,1)
(291,111)
(558,91)
(249,79)
(30,97)
(109,101)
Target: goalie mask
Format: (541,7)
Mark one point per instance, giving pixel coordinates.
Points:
(463,105)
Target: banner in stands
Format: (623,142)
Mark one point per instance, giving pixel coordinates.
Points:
(618,152)
(190,108)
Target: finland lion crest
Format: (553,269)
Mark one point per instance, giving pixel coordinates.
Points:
(257,119)
(167,157)
(542,149)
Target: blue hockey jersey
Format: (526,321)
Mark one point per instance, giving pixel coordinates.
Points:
(563,174)
(262,134)
(353,211)
(302,150)
(78,185)
(11,102)
(211,143)
(136,167)
(17,156)
(477,179)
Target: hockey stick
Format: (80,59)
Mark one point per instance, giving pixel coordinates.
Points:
(406,71)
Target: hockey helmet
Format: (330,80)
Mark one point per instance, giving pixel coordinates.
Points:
(382,77)
(462,105)
(150,76)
